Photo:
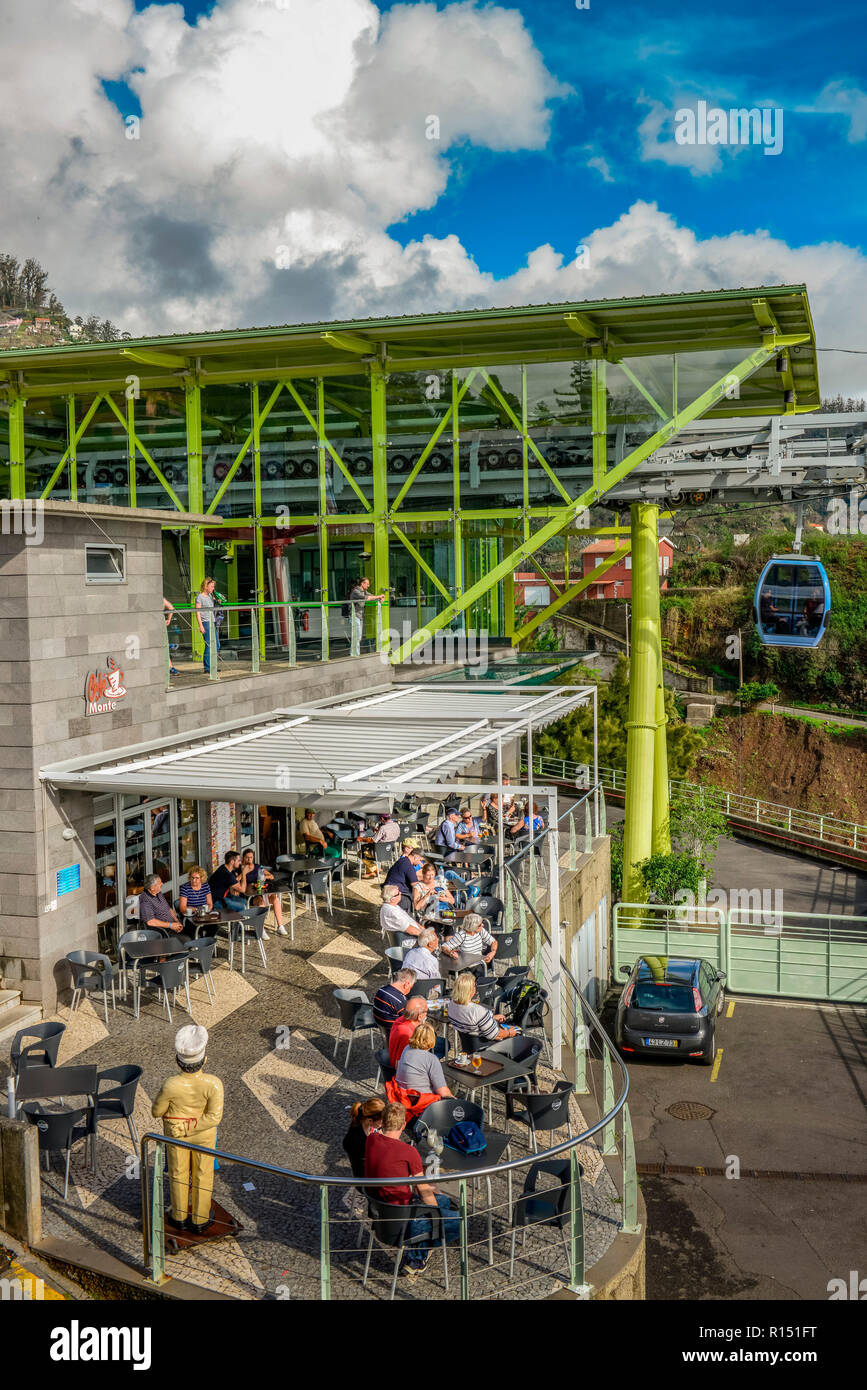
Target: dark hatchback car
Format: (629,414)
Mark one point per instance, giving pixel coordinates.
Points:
(669,1005)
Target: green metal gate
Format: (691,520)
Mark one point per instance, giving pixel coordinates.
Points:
(786,955)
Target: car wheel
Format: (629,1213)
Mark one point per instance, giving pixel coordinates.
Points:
(709,1054)
(720,1003)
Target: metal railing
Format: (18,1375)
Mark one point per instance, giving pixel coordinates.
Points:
(329,1244)
(244,638)
(764,949)
(829,830)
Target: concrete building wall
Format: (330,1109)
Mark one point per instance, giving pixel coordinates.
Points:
(54,630)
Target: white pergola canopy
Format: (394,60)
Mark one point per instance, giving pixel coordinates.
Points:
(361,753)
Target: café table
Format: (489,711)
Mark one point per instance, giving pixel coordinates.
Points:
(155,949)
(54,1084)
(234,920)
(453,1163)
(510,1070)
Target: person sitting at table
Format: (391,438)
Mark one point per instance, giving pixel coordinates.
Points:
(226,881)
(196,893)
(254,874)
(422,958)
(538,822)
(404,872)
(365,1118)
(311,834)
(428,899)
(386,1156)
(389,1001)
(393,917)
(154,911)
(473,939)
(469,1016)
(467,831)
(386,833)
(419,1079)
(415,1013)
(446,836)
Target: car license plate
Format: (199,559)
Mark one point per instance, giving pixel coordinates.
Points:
(660,1042)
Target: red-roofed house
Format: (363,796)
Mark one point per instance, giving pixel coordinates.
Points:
(621,574)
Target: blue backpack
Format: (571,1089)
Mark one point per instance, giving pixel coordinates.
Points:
(466,1138)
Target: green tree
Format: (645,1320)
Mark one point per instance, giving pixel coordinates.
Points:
(696,825)
(572,736)
(664,875)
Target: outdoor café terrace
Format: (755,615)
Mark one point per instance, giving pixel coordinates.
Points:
(278,1039)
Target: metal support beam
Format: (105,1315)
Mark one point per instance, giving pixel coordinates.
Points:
(379,436)
(642,722)
(17,474)
(572,592)
(563,516)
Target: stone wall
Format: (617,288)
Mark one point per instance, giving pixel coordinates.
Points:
(54,630)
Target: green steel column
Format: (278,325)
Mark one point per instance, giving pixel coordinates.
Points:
(599,423)
(525,453)
(130,450)
(509,591)
(641,724)
(261,587)
(17,479)
(322,526)
(73,448)
(458,530)
(193,412)
(379,432)
(232,590)
(661,835)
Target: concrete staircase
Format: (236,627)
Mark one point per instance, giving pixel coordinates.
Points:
(15,1015)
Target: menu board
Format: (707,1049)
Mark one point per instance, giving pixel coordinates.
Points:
(223,830)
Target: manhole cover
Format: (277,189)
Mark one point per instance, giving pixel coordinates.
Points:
(690,1110)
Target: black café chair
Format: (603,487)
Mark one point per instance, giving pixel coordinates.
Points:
(519,1049)
(384,854)
(356,1016)
(314,885)
(42,1052)
(508,946)
(168,974)
(384,1068)
(550,1207)
(388,1227)
(139,934)
(394,955)
(491,909)
(541,1113)
(58,1130)
(200,959)
(117,1103)
(91,970)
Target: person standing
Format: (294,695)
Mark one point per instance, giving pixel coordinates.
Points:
(205,614)
(168,609)
(359,595)
(190,1106)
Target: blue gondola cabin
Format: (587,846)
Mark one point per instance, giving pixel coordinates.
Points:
(792,602)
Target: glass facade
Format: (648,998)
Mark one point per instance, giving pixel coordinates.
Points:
(134,837)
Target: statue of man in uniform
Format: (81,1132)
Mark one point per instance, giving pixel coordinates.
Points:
(190,1106)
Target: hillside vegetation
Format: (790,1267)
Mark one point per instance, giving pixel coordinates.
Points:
(711,596)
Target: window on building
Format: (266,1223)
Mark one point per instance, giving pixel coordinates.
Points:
(105,564)
(628,562)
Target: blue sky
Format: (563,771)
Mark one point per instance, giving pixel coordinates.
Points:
(615,54)
(281,169)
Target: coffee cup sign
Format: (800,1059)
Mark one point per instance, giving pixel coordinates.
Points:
(103,689)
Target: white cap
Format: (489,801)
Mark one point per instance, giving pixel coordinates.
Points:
(191,1043)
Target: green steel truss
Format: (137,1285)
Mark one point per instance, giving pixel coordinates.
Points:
(53,399)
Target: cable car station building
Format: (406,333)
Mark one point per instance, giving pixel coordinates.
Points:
(433,453)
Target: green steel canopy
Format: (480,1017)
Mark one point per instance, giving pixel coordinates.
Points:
(613,329)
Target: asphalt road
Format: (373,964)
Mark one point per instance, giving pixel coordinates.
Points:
(774,1214)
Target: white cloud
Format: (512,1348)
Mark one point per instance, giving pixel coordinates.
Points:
(842,98)
(278,143)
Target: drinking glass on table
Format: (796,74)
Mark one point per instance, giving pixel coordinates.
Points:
(477,1060)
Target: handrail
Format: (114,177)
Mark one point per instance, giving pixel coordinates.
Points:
(730,803)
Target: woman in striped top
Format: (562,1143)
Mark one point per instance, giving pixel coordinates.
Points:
(196,893)
(473,939)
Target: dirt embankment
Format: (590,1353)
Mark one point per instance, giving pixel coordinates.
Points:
(789,761)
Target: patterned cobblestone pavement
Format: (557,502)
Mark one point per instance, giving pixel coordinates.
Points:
(271,1041)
